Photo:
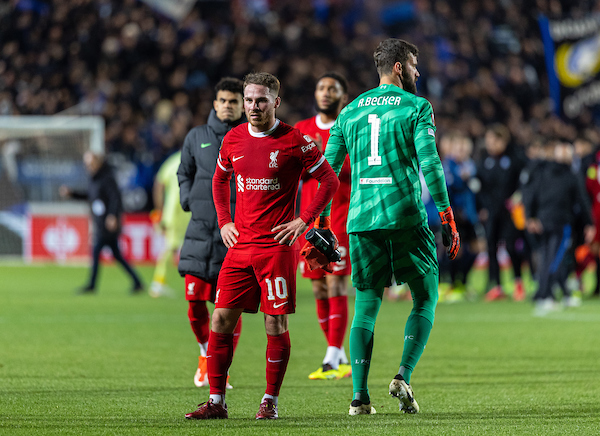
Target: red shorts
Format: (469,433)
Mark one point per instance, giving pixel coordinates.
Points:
(197,289)
(341,268)
(267,279)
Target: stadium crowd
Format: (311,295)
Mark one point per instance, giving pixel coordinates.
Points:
(151,78)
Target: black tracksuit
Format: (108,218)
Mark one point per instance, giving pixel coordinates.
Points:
(555,196)
(104,197)
(499,177)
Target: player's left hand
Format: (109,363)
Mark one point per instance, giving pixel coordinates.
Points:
(450,236)
(290,231)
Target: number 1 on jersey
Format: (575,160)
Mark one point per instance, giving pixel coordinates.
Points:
(375,123)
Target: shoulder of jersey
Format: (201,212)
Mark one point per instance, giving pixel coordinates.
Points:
(284,129)
(304,123)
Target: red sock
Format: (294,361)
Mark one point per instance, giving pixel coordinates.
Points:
(278,355)
(323,316)
(338,320)
(236,333)
(199,320)
(219,357)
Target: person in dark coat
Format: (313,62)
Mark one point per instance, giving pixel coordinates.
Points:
(203,250)
(104,197)
(498,173)
(552,202)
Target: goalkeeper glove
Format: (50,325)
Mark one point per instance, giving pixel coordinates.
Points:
(320,250)
(450,236)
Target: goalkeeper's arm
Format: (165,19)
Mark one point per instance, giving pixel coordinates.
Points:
(433,173)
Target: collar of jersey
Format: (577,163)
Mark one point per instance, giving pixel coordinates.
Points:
(321,125)
(263,134)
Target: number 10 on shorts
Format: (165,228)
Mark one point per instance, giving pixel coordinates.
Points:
(280,288)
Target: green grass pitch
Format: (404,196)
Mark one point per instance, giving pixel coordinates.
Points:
(115,364)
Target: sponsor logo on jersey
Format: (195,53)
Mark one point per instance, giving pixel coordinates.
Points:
(236,158)
(308,146)
(273,157)
(380,101)
(205,144)
(262,184)
(376,181)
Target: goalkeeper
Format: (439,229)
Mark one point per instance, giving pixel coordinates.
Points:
(388,132)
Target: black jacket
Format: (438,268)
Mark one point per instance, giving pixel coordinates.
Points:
(556,196)
(499,176)
(203,250)
(104,197)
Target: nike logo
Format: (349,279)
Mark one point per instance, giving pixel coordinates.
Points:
(233,159)
(278,305)
(274,361)
(205,144)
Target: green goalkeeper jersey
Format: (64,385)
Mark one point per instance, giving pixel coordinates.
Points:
(388,133)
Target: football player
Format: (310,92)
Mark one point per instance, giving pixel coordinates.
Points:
(389,133)
(267,157)
(330,289)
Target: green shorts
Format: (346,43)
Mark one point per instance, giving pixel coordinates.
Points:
(407,253)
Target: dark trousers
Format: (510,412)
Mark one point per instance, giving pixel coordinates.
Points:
(499,226)
(110,240)
(553,268)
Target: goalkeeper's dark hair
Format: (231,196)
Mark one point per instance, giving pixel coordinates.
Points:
(263,79)
(390,51)
(230,84)
(337,77)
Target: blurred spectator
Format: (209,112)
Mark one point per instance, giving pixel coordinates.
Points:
(498,171)
(592,182)
(551,202)
(460,172)
(106,208)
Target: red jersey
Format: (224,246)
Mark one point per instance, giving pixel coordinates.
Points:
(341,199)
(267,169)
(592,183)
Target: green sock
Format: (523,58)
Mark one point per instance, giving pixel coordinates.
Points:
(366,308)
(419,323)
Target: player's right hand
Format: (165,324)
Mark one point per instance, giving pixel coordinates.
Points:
(229,234)
(450,236)
(314,257)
